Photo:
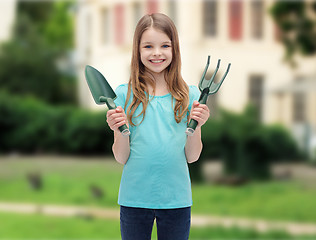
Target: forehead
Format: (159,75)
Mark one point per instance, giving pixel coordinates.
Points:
(154,36)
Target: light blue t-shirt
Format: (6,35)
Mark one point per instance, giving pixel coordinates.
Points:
(156,173)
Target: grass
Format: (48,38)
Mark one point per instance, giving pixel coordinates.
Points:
(66,181)
(289,201)
(40,227)
(48,227)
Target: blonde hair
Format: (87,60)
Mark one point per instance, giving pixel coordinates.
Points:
(139,78)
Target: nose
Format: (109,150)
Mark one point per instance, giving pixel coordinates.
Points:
(156,51)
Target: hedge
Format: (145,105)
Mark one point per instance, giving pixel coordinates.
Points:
(246,146)
(28,125)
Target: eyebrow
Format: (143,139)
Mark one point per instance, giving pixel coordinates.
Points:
(151,42)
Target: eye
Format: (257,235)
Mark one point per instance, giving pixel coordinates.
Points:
(147,46)
(166,46)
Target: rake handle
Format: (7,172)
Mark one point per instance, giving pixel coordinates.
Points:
(111,105)
(193,123)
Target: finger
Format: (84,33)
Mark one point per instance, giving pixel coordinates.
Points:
(200,106)
(120,119)
(119,109)
(202,110)
(203,106)
(201,120)
(119,124)
(198,119)
(115,115)
(113,122)
(110,112)
(195,103)
(199,112)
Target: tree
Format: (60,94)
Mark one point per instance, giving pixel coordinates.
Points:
(297,25)
(55,35)
(28,62)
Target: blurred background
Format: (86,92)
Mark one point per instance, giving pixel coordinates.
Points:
(256,176)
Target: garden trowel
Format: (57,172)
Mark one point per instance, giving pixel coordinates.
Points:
(102,92)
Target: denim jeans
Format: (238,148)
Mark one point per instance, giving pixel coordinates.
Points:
(172,224)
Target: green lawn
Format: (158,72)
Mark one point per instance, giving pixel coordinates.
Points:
(48,227)
(290,201)
(67,181)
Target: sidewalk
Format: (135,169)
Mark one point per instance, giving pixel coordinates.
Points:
(197,220)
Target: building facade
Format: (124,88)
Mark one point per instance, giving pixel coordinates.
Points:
(7,17)
(238,32)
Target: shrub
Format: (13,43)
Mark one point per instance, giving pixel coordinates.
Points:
(246,147)
(28,125)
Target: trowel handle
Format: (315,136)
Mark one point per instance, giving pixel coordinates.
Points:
(193,123)
(111,105)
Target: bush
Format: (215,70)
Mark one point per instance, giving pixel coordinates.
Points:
(28,125)
(246,147)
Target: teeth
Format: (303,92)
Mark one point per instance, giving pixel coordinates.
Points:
(156,61)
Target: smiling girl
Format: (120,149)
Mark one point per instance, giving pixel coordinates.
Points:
(156,104)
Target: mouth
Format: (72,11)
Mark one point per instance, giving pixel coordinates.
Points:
(157,60)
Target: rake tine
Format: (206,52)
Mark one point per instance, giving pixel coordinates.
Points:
(204,73)
(218,85)
(214,74)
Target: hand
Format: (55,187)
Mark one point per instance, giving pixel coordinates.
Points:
(200,113)
(116,118)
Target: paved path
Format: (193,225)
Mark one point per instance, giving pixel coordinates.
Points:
(197,220)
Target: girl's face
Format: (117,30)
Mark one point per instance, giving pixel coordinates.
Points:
(155,50)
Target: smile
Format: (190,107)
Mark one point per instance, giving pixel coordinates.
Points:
(157,61)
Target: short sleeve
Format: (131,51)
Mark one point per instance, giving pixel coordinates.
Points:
(194,94)
(121,92)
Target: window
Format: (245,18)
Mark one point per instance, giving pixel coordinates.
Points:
(235,19)
(210,18)
(105,26)
(119,23)
(298,107)
(88,33)
(137,12)
(152,6)
(257,19)
(256,92)
(173,10)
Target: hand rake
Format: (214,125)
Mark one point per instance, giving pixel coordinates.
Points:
(207,87)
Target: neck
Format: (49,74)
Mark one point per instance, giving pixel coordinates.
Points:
(161,87)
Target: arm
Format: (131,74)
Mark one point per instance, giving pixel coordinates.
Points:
(193,147)
(121,147)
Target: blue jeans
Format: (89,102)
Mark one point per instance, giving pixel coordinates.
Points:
(172,224)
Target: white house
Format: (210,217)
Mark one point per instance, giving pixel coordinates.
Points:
(7,16)
(238,32)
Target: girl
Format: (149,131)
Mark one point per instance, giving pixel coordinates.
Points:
(155,182)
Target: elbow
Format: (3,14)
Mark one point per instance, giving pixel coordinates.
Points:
(122,162)
(192,160)
(120,158)
(195,156)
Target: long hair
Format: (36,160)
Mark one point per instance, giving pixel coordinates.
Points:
(140,79)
